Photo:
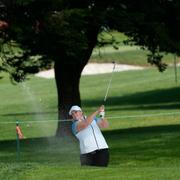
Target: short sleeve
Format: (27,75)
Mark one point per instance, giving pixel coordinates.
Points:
(97,119)
(74,127)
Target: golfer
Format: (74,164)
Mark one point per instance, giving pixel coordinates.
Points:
(93,146)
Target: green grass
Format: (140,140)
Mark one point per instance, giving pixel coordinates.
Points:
(124,54)
(143,110)
(132,55)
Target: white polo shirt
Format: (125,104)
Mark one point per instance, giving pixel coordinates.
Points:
(90,138)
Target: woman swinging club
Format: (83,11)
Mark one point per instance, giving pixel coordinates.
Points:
(93,146)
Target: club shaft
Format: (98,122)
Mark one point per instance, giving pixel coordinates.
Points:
(109,84)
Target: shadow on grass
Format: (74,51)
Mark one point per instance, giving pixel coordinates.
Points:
(147,145)
(155,99)
(44,149)
(28,113)
(144,130)
(141,143)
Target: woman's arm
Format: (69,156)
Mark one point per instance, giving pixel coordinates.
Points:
(103,123)
(83,124)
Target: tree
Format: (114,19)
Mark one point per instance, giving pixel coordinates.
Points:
(66,31)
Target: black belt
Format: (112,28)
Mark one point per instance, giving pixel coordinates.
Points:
(98,150)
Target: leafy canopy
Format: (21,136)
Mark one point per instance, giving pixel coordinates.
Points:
(34,33)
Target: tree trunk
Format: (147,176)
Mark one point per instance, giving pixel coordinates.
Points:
(67,76)
(67,81)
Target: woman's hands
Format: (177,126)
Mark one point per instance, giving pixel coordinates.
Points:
(102,111)
(102,124)
(101,108)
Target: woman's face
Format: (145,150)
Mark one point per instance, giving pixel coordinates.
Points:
(77,114)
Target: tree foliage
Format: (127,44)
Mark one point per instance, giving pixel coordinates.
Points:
(152,24)
(60,29)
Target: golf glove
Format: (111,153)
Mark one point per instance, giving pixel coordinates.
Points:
(102,114)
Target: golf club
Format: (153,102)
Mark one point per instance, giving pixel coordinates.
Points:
(109,84)
(102,113)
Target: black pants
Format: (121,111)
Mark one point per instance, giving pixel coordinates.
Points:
(95,158)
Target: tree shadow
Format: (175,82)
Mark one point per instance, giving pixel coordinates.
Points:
(140,143)
(43,149)
(149,145)
(144,130)
(29,113)
(155,99)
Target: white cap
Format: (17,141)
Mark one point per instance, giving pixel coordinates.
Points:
(74,108)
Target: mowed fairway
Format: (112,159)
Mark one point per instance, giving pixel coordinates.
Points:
(144,133)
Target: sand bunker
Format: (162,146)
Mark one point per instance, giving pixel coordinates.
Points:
(94,68)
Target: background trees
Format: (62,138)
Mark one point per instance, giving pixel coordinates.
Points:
(65,32)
